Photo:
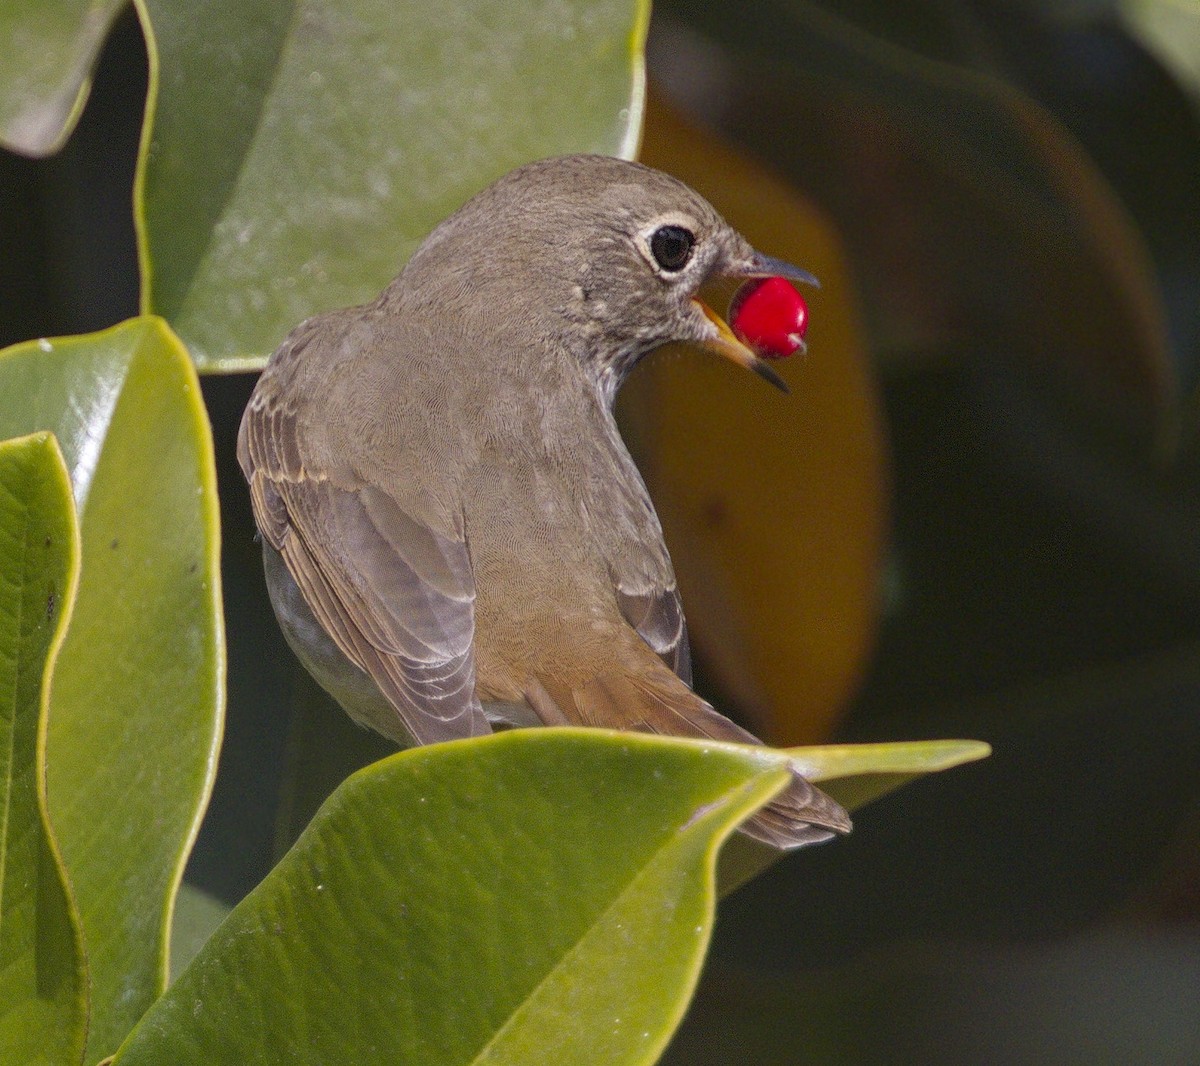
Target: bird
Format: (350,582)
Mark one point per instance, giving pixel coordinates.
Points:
(455,537)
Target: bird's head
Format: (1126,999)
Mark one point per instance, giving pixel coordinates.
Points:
(604,257)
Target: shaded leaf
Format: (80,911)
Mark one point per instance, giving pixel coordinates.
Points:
(536,896)
(50,49)
(43,977)
(854,775)
(1111,997)
(963,201)
(136,706)
(324,747)
(298,171)
(775,513)
(196,917)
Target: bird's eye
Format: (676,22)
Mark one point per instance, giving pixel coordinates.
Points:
(672,247)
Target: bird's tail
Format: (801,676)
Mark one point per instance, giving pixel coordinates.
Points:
(661,703)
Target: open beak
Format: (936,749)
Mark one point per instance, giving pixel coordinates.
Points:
(725,343)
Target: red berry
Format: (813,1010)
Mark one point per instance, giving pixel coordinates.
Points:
(770,316)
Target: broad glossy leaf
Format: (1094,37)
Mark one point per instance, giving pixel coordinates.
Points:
(50,47)
(775,514)
(536,896)
(136,705)
(43,979)
(298,170)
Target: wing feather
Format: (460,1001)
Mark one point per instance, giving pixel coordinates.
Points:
(395,594)
(657,615)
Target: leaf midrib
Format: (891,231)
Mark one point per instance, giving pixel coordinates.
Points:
(671,841)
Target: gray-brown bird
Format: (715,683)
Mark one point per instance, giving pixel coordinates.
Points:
(455,536)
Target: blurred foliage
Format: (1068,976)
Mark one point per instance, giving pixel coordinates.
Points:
(1016,186)
(976,515)
(1170,30)
(297,172)
(776,511)
(1097,998)
(975,218)
(51,47)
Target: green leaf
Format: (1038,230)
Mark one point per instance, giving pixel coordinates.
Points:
(298,170)
(856,774)
(135,710)
(1170,30)
(50,49)
(535,896)
(43,978)
(196,917)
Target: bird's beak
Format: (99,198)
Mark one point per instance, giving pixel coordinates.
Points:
(725,343)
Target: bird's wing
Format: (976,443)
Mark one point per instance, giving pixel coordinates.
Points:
(657,615)
(395,594)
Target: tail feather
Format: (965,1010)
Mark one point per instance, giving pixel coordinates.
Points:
(801,814)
